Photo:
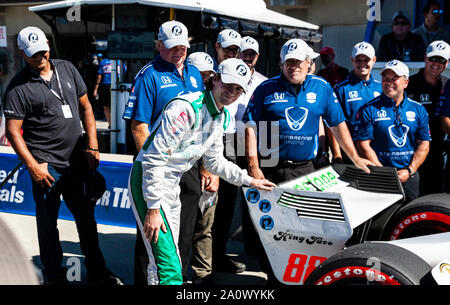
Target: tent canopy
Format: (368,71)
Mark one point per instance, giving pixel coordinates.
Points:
(247,15)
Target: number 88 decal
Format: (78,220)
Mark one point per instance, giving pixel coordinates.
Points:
(296,266)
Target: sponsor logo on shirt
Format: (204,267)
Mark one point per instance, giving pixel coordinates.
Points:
(311,97)
(193,82)
(279,97)
(425,99)
(353,94)
(167,82)
(296,117)
(410,116)
(382,116)
(179,123)
(376,93)
(398,134)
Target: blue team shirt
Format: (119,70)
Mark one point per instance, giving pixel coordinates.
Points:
(156,84)
(393,130)
(298,115)
(353,93)
(444,102)
(105,70)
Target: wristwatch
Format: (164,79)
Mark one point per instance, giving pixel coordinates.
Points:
(411,173)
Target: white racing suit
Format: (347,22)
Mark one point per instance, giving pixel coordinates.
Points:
(190,127)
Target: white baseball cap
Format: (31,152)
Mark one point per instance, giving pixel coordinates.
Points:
(363,48)
(173,33)
(312,54)
(398,67)
(229,37)
(32,40)
(201,60)
(234,71)
(295,48)
(249,43)
(438,48)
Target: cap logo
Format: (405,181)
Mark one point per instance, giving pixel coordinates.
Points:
(233,34)
(292,46)
(440,46)
(249,41)
(33,38)
(176,30)
(392,63)
(241,70)
(363,46)
(208,59)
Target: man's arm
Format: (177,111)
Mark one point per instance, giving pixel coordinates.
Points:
(140,133)
(365,150)
(251,153)
(88,121)
(344,139)
(420,154)
(38,172)
(445,123)
(97,84)
(334,145)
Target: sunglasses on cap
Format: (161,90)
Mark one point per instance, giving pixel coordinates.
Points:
(438,59)
(437,12)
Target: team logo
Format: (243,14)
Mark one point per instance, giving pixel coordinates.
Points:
(166,80)
(296,117)
(266,222)
(376,93)
(33,38)
(292,46)
(363,46)
(392,63)
(208,59)
(381,113)
(241,70)
(250,41)
(410,116)
(440,46)
(233,34)
(353,94)
(176,30)
(311,97)
(398,134)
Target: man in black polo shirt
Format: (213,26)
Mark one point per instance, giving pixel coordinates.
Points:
(426,87)
(47,99)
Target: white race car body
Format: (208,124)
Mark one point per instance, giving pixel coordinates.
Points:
(304,221)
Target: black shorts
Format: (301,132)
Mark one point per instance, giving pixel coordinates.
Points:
(104,92)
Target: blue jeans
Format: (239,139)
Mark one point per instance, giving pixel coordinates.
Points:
(69,183)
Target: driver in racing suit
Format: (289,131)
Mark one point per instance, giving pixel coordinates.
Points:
(190,127)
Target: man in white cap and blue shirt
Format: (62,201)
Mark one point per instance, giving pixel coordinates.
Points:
(47,100)
(426,88)
(394,130)
(164,78)
(234,142)
(297,101)
(356,90)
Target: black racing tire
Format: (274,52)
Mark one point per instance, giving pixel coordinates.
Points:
(425,215)
(371,263)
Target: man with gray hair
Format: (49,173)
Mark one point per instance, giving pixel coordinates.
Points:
(296,101)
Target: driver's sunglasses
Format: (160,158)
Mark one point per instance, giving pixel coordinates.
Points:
(438,59)
(437,12)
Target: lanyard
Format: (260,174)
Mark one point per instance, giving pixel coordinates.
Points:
(60,96)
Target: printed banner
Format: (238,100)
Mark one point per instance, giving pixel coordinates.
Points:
(113,208)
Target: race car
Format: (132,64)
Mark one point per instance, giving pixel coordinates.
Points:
(340,225)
